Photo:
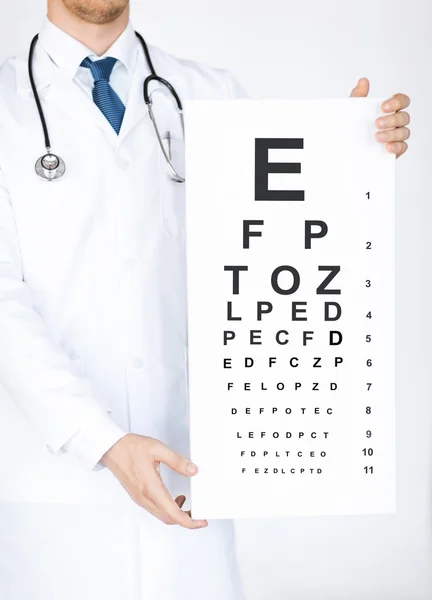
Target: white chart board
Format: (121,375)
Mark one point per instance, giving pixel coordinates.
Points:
(290,266)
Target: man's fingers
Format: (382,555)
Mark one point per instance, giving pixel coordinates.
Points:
(168,507)
(398,119)
(152,509)
(393,135)
(361,90)
(398,102)
(397,148)
(135,461)
(176,461)
(395,125)
(145,502)
(180,500)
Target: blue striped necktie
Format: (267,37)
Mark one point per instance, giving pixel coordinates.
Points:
(104,96)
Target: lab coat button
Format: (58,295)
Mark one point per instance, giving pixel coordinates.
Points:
(138,363)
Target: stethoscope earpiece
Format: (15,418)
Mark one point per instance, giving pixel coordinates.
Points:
(50,167)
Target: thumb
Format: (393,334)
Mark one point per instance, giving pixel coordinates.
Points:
(361,89)
(175,461)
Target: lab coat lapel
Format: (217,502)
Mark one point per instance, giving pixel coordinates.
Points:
(67,96)
(136,109)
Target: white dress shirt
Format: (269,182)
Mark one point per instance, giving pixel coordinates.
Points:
(67,53)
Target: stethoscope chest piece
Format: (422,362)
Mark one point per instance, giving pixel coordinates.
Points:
(50,167)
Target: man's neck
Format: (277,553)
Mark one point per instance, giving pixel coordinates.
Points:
(97,38)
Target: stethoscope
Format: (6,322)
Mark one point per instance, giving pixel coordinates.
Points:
(50,166)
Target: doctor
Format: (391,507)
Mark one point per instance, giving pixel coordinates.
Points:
(93,332)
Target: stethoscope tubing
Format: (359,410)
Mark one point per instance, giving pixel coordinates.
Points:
(44,171)
(36,95)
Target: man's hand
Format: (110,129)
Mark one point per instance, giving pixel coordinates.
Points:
(135,461)
(395,124)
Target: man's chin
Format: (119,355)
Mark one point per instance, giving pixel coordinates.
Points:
(98,12)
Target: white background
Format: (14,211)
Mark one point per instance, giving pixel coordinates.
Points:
(316,48)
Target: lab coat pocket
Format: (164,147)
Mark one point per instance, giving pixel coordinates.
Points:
(172,192)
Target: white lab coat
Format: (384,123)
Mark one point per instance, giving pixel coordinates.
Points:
(93,336)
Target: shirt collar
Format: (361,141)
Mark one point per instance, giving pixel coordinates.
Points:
(68,53)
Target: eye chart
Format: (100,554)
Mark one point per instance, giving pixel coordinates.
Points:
(290,260)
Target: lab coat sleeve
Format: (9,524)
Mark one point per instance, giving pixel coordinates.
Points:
(35,371)
(97,434)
